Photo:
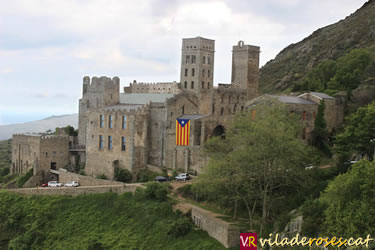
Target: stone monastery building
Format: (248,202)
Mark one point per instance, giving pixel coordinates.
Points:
(137,127)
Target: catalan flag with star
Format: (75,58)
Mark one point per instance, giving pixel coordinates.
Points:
(182,132)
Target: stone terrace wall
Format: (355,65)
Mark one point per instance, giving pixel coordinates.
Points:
(222,231)
(119,189)
(65,176)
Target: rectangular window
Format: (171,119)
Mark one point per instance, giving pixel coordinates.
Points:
(110,121)
(187,59)
(101,120)
(203,73)
(100,142)
(46,154)
(208,60)
(186,72)
(124,122)
(204,60)
(54,153)
(110,142)
(209,73)
(192,72)
(193,59)
(123,143)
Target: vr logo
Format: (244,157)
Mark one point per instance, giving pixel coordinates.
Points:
(248,241)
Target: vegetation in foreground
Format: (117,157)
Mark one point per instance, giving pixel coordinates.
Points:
(100,221)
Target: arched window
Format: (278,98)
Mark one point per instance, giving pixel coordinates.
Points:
(202,85)
(193,59)
(185,85)
(192,72)
(192,84)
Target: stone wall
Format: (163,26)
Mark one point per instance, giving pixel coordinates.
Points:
(224,232)
(25,153)
(153,88)
(54,152)
(119,189)
(65,176)
(105,160)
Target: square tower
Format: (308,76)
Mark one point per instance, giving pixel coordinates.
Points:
(245,68)
(197,64)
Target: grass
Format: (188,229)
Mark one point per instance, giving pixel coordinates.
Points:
(98,221)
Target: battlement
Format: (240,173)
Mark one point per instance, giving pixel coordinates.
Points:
(242,46)
(42,136)
(99,84)
(153,87)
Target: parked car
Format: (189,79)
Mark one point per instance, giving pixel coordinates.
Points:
(182,177)
(161,179)
(54,184)
(310,166)
(72,184)
(44,185)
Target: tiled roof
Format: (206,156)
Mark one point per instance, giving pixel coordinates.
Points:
(292,99)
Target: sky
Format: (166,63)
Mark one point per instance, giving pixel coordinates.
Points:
(48,46)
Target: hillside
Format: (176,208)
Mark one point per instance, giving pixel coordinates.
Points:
(101,221)
(6,131)
(330,42)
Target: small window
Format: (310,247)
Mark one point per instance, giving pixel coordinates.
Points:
(202,85)
(213,108)
(187,60)
(100,142)
(192,85)
(208,85)
(110,121)
(109,142)
(185,85)
(46,154)
(204,60)
(101,119)
(222,111)
(186,72)
(192,72)
(183,110)
(241,108)
(208,60)
(203,73)
(209,73)
(123,143)
(54,153)
(193,59)
(124,122)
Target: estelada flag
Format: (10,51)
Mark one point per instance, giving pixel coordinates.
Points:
(182,132)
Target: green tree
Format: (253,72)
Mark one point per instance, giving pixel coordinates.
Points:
(320,132)
(349,201)
(359,130)
(257,158)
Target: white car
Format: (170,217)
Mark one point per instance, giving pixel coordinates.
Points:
(72,184)
(54,184)
(182,177)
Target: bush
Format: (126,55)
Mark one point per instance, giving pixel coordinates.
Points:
(4,171)
(22,179)
(123,175)
(179,228)
(156,191)
(146,175)
(186,190)
(103,177)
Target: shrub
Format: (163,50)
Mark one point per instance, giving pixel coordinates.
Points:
(82,172)
(145,175)
(156,191)
(22,179)
(103,177)
(185,191)
(179,228)
(4,171)
(123,175)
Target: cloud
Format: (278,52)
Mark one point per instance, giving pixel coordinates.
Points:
(47,46)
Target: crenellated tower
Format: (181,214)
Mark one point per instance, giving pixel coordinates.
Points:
(97,93)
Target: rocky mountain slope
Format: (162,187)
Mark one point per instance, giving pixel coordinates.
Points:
(52,122)
(330,42)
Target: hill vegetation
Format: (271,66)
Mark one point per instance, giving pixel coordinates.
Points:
(100,221)
(321,50)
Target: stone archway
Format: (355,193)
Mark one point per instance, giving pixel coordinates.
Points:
(219,131)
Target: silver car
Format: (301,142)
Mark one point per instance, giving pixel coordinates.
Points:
(72,184)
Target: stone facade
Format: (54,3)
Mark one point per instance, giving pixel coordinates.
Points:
(153,88)
(39,152)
